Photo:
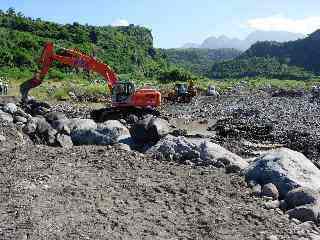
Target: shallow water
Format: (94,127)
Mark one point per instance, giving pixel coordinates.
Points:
(193,127)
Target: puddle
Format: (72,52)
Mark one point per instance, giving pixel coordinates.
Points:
(194,127)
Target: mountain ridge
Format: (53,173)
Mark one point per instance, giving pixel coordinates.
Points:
(236,43)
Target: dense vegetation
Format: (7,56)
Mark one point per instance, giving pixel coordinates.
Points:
(130,52)
(198,61)
(268,67)
(303,53)
(125,49)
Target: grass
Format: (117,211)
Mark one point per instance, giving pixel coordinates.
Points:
(58,89)
(260,83)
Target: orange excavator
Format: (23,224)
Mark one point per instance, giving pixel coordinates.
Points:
(124,94)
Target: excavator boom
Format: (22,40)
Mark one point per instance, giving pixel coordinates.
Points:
(124,94)
(72,58)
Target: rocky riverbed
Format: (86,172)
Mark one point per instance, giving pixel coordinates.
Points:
(243,166)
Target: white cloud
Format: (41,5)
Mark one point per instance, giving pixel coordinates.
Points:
(280,23)
(120,23)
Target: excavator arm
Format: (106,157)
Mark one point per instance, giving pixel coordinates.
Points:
(72,58)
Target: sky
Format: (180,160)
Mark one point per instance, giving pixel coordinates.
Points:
(176,22)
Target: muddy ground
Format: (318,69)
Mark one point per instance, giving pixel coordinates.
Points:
(106,193)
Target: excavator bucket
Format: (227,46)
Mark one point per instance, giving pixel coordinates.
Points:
(26,86)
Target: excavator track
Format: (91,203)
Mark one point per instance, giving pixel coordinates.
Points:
(113,113)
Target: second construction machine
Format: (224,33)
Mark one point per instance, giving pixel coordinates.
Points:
(124,94)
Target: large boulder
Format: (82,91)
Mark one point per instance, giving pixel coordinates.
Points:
(76,124)
(10,108)
(114,128)
(201,152)
(62,126)
(6,117)
(55,116)
(108,133)
(91,137)
(39,128)
(213,152)
(175,148)
(68,126)
(64,141)
(286,169)
(20,119)
(31,126)
(309,212)
(270,190)
(302,196)
(22,113)
(150,129)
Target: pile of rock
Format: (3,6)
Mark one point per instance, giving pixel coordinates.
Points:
(289,180)
(53,128)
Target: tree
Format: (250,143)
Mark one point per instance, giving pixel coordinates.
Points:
(11,12)
(93,35)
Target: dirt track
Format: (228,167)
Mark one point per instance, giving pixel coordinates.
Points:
(106,193)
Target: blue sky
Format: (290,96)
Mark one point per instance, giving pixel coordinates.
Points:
(175,22)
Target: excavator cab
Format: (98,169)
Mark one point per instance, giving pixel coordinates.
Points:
(181,89)
(122,92)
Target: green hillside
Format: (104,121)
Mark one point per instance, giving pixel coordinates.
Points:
(199,61)
(303,53)
(125,49)
(269,67)
(297,60)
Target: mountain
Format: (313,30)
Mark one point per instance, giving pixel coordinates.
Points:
(256,36)
(277,36)
(198,61)
(288,60)
(223,42)
(303,53)
(191,45)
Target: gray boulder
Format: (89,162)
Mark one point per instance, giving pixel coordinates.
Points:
(68,126)
(64,141)
(175,148)
(270,190)
(30,127)
(286,169)
(91,137)
(40,128)
(213,152)
(132,119)
(76,124)
(309,212)
(256,190)
(61,126)
(2,138)
(20,119)
(6,117)
(55,116)
(200,152)
(114,128)
(10,108)
(42,125)
(302,196)
(108,133)
(50,136)
(22,113)
(272,204)
(150,129)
